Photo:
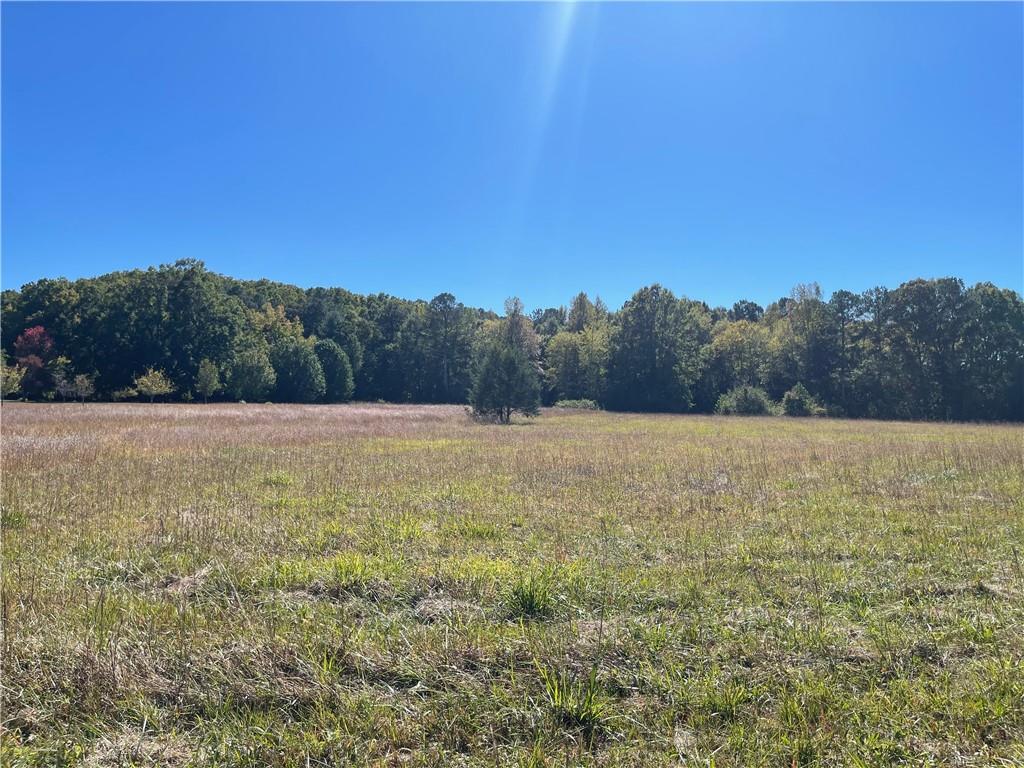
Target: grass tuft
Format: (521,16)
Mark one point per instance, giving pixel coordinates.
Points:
(530,597)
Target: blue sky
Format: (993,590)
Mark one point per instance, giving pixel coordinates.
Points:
(726,151)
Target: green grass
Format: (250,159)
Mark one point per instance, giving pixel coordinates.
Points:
(292,586)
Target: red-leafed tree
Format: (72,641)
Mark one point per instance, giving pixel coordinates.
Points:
(33,349)
(34,341)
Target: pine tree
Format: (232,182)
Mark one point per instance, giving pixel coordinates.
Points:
(506,382)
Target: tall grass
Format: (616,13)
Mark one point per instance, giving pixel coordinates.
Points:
(244,585)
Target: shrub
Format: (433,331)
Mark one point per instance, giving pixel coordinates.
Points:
(746,401)
(799,402)
(583,405)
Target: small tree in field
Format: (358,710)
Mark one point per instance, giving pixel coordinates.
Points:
(506,382)
(208,379)
(83,387)
(153,384)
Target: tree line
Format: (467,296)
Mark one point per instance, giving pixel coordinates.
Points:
(929,349)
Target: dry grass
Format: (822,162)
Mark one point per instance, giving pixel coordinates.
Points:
(287,585)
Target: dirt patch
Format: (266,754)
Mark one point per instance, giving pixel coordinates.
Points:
(185,585)
(438,608)
(139,749)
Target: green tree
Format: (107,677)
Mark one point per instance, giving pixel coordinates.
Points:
(563,366)
(582,313)
(547,322)
(449,340)
(208,381)
(250,375)
(338,381)
(300,377)
(746,310)
(576,363)
(10,378)
(844,311)
(507,378)
(928,349)
(992,344)
(334,313)
(506,382)
(740,349)
(658,352)
(202,321)
(925,340)
(153,383)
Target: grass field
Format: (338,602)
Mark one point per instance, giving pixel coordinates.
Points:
(289,586)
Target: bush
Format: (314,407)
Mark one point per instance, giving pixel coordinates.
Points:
(583,405)
(799,402)
(746,401)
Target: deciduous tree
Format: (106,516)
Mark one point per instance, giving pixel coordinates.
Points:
(208,381)
(338,382)
(153,384)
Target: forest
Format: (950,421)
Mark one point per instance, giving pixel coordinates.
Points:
(927,349)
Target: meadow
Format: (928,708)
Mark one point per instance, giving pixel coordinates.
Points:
(258,585)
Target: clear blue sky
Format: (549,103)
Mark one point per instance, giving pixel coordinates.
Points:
(726,151)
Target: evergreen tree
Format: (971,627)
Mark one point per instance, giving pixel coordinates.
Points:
(506,382)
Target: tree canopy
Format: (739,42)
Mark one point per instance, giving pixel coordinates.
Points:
(927,349)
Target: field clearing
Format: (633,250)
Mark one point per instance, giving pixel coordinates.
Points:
(249,585)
